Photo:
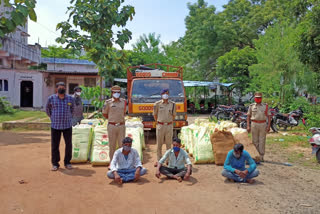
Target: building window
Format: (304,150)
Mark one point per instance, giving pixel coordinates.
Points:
(4,85)
(90,82)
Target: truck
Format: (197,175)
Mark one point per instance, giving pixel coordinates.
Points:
(144,85)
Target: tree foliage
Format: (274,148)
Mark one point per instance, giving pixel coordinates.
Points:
(17,15)
(54,51)
(98,21)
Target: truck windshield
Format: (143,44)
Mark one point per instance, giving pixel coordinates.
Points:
(153,88)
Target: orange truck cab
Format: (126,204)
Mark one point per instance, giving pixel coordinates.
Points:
(144,85)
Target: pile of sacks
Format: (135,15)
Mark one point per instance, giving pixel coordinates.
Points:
(209,142)
(90,140)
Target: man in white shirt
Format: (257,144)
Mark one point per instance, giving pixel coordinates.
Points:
(126,164)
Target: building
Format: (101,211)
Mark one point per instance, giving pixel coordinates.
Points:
(73,72)
(19,85)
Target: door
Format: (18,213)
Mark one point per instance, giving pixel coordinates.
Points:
(26,94)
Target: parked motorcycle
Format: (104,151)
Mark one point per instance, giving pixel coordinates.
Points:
(191,108)
(224,112)
(289,120)
(274,111)
(202,107)
(315,142)
(240,118)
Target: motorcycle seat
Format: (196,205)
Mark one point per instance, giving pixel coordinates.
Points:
(284,115)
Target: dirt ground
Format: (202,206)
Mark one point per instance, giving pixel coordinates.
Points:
(25,157)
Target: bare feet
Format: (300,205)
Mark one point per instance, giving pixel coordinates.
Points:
(155,164)
(178,178)
(250,181)
(230,180)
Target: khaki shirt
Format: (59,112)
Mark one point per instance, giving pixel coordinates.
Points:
(114,110)
(164,111)
(258,111)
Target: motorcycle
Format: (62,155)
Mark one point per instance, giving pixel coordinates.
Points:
(191,108)
(240,118)
(274,111)
(289,120)
(210,107)
(315,142)
(224,112)
(202,107)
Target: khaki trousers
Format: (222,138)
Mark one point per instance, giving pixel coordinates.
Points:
(259,134)
(116,135)
(164,136)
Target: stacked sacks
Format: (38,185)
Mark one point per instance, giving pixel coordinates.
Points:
(241,136)
(222,143)
(225,125)
(202,147)
(100,146)
(134,130)
(81,143)
(93,122)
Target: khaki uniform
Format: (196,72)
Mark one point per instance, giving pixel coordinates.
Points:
(164,132)
(257,114)
(116,133)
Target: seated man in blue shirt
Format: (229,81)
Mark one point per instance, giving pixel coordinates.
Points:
(177,160)
(126,164)
(234,166)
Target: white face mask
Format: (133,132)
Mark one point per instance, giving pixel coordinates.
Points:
(116,95)
(78,93)
(165,96)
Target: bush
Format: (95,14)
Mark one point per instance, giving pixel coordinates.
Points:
(5,106)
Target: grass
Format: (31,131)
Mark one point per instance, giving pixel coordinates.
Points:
(19,115)
(289,140)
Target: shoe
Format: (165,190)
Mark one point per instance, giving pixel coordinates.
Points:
(69,166)
(54,168)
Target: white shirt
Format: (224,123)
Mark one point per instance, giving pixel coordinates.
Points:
(120,162)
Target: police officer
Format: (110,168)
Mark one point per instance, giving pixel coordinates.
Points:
(164,112)
(115,110)
(259,114)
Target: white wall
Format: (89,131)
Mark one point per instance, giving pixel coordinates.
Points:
(71,67)
(15,78)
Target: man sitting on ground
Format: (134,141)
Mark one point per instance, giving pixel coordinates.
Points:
(234,166)
(126,164)
(177,160)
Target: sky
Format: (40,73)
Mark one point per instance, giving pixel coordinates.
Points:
(164,17)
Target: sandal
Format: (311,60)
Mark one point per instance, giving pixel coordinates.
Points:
(54,168)
(69,166)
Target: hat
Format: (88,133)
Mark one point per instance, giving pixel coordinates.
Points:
(258,94)
(116,88)
(165,90)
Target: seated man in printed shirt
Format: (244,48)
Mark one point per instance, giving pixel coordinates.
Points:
(126,164)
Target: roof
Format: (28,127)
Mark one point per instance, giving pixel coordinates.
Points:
(89,72)
(66,61)
(188,83)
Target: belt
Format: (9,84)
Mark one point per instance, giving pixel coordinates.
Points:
(115,124)
(259,121)
(164,123)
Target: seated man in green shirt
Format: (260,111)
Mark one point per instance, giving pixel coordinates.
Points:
(177,160)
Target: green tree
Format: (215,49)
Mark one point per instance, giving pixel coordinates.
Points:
(278,69)
(18,15)
(98,20)
(234,67)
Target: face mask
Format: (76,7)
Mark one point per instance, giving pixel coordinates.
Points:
(78,93)
(176,149)
(61,90)
(165,96)
(258,99)
(116,95)
(126,148)
(236,155)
